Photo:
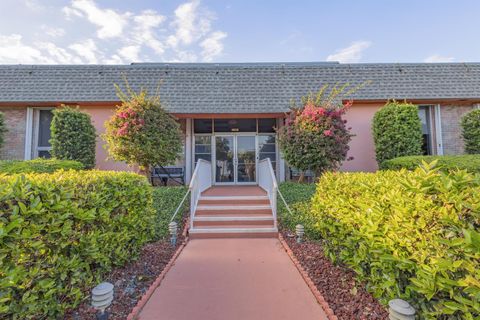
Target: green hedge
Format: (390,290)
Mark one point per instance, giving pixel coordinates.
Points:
(471,131)
(397,131)
(3,129)
(73,136)
(60,232)
(37,166)
(470,163)
(165,202)
(413,235)
(298,196)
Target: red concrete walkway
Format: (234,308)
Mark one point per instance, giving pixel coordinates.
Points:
(218,279)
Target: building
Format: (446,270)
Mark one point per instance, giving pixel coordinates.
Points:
(228,111)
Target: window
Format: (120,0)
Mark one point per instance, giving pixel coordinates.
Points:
(267,149)
(43,147)
(424,112)
(203,148)
(202,126)
(267,125)
(235,125)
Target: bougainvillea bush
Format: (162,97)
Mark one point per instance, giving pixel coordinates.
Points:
(142,133)
(315,136)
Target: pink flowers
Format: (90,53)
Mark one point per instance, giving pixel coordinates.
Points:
(328,133)
(129,121)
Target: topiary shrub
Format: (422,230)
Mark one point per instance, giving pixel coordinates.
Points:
(471,131)
(39,165)
(142,133)
(61,232)
(397,131)
(3,129)
(73,136)
(315,136)
(469,162)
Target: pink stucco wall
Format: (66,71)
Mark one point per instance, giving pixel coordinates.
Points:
(359,117)
(99,116)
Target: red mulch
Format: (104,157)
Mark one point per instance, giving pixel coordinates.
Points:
(131,281)
(348,299)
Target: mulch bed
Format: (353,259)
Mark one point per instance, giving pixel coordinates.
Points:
(346,297)
(131,281)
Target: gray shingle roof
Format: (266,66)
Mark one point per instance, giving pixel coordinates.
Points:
(236,88)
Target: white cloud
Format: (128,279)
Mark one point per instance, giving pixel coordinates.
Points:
(352,53)
(144,31)
(212,45)
(13,50)
(190,23)
(186,35)
(130,53)
(52,31)
(33,5)
(438,58)
(57,54)
(110,23)
(86,49)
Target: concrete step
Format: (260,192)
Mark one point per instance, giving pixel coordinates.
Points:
(217,202)
(233,211)
(241,231)
(230,207)
(219,220)
(233,198)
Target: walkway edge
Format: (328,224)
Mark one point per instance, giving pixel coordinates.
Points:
(146,296)
(320,299)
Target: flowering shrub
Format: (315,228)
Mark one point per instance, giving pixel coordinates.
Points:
(142,133)
(315,137)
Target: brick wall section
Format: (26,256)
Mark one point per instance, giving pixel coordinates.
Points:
(14,147)
(451,130)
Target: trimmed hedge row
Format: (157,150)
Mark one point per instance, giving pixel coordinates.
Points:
(38,166)
(413,235)
(467,162)
(60,232)
(165,202)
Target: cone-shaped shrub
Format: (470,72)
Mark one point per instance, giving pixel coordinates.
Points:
(73,136)
(471,131)
(397,131)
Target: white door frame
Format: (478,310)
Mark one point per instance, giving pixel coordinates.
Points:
(235,157)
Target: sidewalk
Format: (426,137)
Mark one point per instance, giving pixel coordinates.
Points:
(234,279)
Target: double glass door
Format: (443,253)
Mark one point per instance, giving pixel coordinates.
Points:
(235,159)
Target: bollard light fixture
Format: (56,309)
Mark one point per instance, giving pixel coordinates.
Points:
(300,231)
(102,297)
(400,310)
(172,229)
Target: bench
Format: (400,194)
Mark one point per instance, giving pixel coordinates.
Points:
(168,172)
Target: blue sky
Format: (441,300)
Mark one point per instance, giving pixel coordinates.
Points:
(112,31)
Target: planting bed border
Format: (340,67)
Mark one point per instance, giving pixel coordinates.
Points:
(144,299)
(318,296)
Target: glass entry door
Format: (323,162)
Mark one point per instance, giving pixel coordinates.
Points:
(235,159)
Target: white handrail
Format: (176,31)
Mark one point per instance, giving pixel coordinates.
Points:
(268,181)
(201,181)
